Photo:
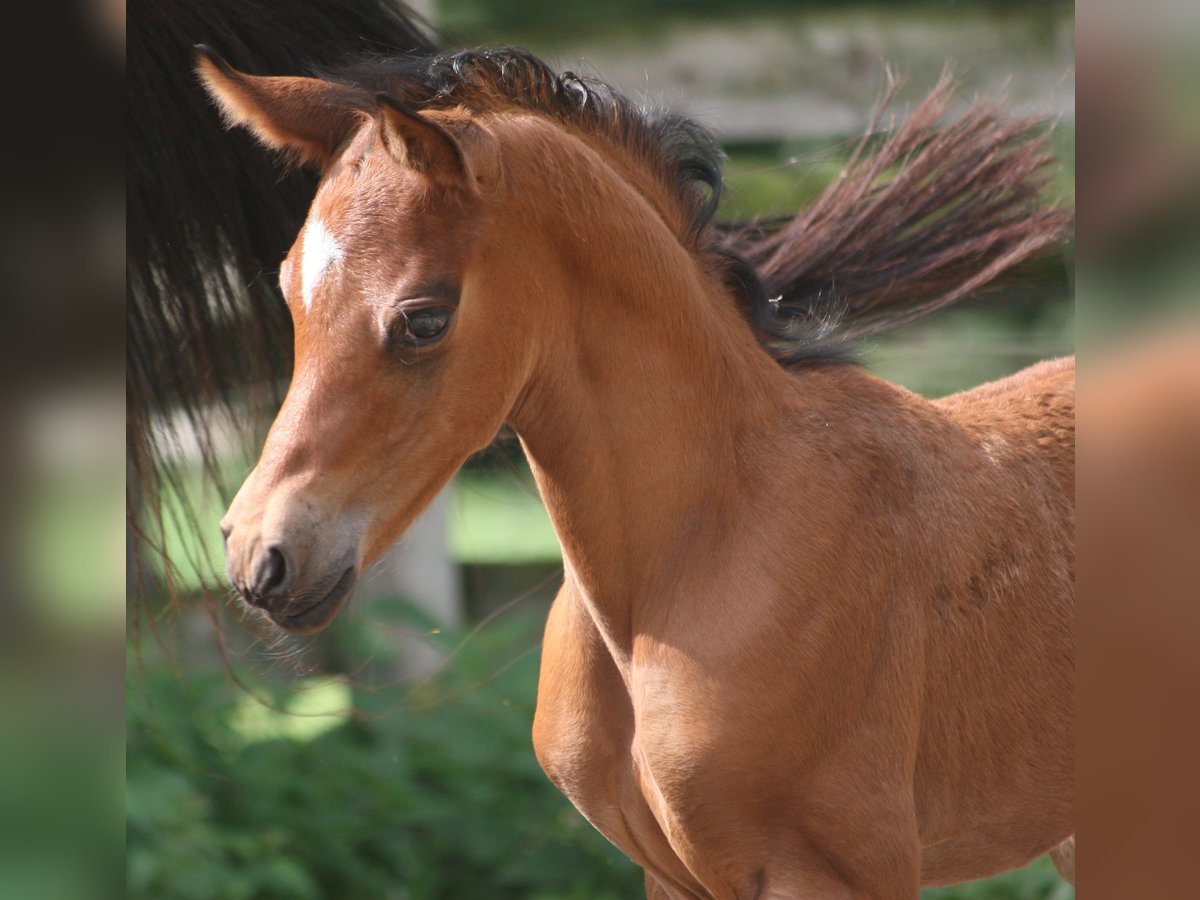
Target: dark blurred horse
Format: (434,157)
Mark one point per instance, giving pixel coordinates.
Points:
(209,219)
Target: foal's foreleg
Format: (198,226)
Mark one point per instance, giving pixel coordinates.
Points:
(808,888)
(654,890)
(818,880)
(657,890)
(806,878)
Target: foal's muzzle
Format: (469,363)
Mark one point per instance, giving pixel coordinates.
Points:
(297,599)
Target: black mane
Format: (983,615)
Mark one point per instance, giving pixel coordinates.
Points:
(684,155)
(931,214)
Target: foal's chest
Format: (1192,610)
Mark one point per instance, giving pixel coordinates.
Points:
(585,739)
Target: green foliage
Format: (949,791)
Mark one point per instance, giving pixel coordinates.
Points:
(429,792)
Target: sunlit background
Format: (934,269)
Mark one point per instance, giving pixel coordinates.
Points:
(390,756)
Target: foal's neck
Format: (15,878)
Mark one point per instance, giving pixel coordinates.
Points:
(646,405)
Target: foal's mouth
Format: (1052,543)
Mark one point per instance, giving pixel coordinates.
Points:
(316,616)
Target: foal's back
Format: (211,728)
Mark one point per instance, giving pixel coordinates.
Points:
(1033,409)
(998,701)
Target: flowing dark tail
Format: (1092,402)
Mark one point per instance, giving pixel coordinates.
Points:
(209,217)
(920,218)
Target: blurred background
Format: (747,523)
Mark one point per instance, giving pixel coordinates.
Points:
(390,756)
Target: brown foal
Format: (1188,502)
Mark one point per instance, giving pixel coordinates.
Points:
(815,637)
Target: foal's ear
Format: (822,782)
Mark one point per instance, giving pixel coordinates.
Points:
(421,143)
(306,117)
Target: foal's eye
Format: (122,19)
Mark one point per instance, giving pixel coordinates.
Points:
(425,324)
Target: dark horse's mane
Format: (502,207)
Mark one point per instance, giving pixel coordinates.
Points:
(922,215)
(915,222)
(209,217)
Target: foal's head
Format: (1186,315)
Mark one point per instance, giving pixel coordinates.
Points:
(422,302)
(400,370)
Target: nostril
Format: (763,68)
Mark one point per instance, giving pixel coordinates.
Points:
(275,571)
(226,530)
(272,572)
